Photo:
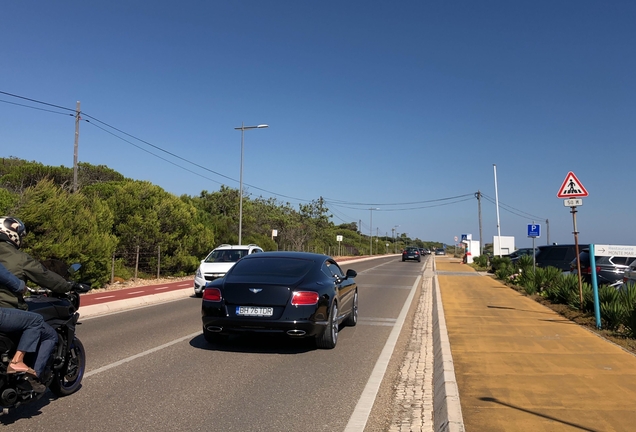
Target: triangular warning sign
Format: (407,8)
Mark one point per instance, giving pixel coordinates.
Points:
(571,187)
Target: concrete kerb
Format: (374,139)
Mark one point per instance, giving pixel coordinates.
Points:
(132,303)
(447,410)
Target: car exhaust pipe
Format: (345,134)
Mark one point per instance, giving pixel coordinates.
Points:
(214,329)
(296,332)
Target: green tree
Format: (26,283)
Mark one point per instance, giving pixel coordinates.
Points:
(69,227)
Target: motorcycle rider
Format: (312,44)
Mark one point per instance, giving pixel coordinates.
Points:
(28,323)
(22,265)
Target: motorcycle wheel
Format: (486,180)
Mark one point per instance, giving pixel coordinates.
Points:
(67,381)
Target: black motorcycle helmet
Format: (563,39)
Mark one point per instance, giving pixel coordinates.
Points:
(12,230)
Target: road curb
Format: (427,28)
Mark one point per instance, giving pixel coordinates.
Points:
(125,304)
(447,410)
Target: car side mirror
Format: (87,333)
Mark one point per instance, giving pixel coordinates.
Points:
(351,273)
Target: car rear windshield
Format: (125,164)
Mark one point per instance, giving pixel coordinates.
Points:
(293,268)
(226,255)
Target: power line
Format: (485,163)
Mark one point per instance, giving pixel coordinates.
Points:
(514,211)
(466,197)
(147,143)
(37,101)
(394,204)
(36,108)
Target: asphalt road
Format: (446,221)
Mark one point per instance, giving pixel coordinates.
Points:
(151,369)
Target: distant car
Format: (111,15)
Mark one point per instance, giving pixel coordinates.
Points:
(629,276)
(424,251)
(514,256)
(298,294)
(609,269)
(440,251)
(218,262)
(521,252)
(411,254)
(559,256)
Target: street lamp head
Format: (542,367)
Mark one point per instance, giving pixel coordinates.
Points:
(262,126)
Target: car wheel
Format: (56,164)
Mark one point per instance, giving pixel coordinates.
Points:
(403,260)
(329,338)
(352,319)
(198,294)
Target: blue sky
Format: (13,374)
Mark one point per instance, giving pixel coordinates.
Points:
(370,104)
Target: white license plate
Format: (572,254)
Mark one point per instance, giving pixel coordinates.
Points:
(254,311)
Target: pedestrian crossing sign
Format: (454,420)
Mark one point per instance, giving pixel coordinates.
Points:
(571,187)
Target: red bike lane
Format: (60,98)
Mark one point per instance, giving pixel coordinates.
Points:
(139,291)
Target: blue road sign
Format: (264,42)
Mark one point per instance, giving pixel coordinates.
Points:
(534,230)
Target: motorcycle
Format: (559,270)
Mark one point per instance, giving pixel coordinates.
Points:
(65,368)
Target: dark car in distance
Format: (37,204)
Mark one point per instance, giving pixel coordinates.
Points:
(559,256)
(298,294)
(411,253)
(609,269)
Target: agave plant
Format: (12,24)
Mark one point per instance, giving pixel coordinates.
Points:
(588,297)
(630,322)
(505,271)
(607,294)
(628,295)
(552,276)
(524,264)
(614,314)
(566,288)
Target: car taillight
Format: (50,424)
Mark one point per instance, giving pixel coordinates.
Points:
(212,294)
(304,298)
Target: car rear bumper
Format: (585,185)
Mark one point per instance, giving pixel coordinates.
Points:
(226,326)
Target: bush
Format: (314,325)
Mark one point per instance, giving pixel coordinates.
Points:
(614,314)
(588,297)
(524,264)
(504,271)
(498,262)
(607,294)
(530,286)
(630,322)
(481,261)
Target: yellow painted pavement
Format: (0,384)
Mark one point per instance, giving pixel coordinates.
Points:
(522,367)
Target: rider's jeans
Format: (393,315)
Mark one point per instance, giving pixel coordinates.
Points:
(36,334)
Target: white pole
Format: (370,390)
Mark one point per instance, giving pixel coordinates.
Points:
(497,206)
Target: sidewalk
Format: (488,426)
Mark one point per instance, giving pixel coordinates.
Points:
(522,367)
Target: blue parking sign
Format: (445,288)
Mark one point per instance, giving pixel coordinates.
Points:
(534,230)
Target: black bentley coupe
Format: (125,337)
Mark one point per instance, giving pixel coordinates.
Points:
(295,293)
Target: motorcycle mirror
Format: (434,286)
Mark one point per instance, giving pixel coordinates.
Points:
(74,267)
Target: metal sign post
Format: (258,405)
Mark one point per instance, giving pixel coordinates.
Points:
(578,259)
(597,306)
(572,189)
(534,231)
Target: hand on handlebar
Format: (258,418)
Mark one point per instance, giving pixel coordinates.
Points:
(81,287)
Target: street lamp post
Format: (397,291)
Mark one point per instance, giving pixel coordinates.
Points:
(394,239)
(243,128)
(371,230)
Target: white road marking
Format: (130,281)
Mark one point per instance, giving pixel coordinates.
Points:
(142,354)
(360,416)
(104,297)
(136,292)
(161,288)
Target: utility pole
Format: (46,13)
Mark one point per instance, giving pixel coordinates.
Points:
(77,122)
(481,239)
(547,223)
